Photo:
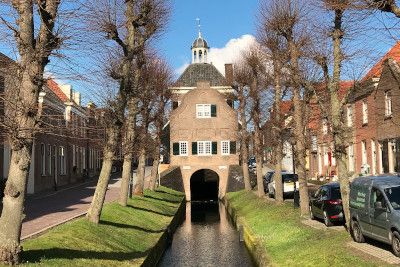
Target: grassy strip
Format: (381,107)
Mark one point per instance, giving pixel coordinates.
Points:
(287,241)
(123,238)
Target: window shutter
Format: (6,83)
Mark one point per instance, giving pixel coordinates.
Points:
(213,111)
(214,148)
(194,148)
(175,149)
(232,147)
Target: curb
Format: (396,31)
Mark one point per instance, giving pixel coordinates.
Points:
(42,231)
(253,243)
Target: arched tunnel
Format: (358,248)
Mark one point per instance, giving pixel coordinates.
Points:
(204,185)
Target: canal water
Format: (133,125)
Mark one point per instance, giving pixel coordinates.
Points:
(206,238)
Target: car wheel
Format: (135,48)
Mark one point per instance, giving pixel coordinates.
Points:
(356,232)
(311,214)
(396,243)
(327,221)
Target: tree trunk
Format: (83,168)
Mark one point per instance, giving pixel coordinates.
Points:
(259,162)
(300,151)
(140,175)
(13,205)
(244,139)
(126,179)
(277,133)
(96,206)
(154,169)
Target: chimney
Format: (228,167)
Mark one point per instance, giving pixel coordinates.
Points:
(67,90)
(229,73)
(77,98)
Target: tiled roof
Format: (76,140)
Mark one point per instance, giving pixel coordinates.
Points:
(57,90)
(376,70)
(200,72)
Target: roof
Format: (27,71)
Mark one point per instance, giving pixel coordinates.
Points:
(198,72)
(376,70)
(200,43)
(57,90)
(379,181)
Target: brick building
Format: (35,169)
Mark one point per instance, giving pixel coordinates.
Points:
(64,151)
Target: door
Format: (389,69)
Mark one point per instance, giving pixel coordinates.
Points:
(314,200)
(385,156)
(319,201)
(379,221)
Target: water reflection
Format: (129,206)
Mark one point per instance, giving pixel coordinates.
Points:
(206,238)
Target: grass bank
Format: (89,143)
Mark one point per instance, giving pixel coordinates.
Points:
(288,242)
(124,237)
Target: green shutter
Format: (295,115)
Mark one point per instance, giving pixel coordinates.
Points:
(214,111)
(194,148)
(232,147)
(175,149)
(214,148)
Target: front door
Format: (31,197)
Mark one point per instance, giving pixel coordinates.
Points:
(379,217)
(385,156)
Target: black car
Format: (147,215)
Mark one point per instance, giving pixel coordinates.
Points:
(326,204)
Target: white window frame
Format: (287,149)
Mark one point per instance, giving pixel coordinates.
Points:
(62,161)
(364,159)
(183,148)
(365,112)
(349,116)
(225,147)
(388,104)
(203,111)
(204,148)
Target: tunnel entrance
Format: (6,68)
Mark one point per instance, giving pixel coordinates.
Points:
(204,185)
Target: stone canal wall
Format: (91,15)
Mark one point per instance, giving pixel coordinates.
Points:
(155,254)
(252,242)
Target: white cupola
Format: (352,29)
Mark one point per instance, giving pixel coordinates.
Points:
(200,49)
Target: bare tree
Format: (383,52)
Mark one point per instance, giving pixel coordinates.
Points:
(143,19)
(34,48)
(241,77)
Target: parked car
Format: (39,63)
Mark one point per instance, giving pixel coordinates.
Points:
(375,210)
(289,181)
(326,204)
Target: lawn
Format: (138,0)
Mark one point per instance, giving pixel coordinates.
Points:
(288,242)
(123,238)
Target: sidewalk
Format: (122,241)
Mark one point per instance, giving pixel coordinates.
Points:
(52,209)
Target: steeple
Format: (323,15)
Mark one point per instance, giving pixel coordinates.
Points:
(200,47)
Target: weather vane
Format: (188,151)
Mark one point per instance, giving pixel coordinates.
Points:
(199,26)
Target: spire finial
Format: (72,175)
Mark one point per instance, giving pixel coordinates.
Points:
(199,26)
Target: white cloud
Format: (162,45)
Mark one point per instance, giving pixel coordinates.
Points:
(230,53)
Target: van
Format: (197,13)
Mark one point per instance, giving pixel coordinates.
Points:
(375,210)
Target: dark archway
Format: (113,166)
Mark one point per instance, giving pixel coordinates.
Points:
(204,185)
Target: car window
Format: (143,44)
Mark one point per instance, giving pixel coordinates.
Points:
(335,193)
(393,194)
(377,196)
(324,192)
(287,178)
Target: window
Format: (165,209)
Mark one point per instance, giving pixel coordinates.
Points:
(388,104)
(225,148)
(206,111)
(43,159)
(203,110)
(62,161)
(49,160)
(183,148)
(204,148)
(325,126)
(84,158)
(351,158)
(364,152)
(349,116)
(365,112)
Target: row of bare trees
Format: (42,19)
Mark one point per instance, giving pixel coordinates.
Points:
(133,114)
(300,49)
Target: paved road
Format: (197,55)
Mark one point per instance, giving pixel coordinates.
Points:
(45,212)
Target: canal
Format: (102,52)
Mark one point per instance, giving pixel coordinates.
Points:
(206,238)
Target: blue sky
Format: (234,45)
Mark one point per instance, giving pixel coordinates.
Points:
(221,21)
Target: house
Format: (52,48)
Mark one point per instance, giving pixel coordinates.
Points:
(203,126)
